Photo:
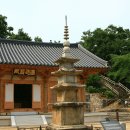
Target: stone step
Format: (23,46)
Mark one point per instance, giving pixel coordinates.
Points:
(28,120)
(23,113)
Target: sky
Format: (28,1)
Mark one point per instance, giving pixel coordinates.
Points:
(46,18)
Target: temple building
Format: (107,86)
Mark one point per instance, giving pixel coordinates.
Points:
(25,73)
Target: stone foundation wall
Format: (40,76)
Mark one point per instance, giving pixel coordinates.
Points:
(96,102)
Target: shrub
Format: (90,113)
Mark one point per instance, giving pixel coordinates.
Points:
(91,89)
(93,80)
(109,94)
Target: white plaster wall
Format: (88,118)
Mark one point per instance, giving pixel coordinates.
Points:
(9,92)
(36,93)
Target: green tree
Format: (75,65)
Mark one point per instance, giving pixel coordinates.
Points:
(21,35)
(120,69)
(5,30)
(104,42)
(37,39)
(113,45)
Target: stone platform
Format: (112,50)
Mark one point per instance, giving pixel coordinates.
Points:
(68,127)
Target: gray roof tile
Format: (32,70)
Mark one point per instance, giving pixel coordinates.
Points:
(31,53)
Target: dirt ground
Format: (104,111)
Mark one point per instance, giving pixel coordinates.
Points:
(95,126)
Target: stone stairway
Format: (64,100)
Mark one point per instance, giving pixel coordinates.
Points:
(28,120)
(119,89)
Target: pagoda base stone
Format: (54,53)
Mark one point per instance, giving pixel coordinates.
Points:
(65,114)
(67,127)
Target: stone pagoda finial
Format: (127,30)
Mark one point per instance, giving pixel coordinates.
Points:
(66,35)
(66,44)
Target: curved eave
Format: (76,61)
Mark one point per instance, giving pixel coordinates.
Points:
(98,59)
(53,65)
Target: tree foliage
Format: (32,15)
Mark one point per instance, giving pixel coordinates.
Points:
(21,35)
(93,85)
(120,69)
(93,80)
(5,30)
(113,45)
(104,42)
(37,39)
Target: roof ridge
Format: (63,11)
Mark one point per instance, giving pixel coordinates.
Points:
(14,41)
(98,59)
(23,41)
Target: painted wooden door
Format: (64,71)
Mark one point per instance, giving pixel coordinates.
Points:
(36,97)
(9,96)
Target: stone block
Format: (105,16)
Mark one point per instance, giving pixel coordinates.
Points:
(68,115)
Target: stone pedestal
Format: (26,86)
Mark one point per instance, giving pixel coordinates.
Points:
(68,116)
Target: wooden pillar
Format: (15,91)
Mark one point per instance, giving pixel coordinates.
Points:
(0,97)
(45,91)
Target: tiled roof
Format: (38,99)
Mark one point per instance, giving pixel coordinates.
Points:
(31,53)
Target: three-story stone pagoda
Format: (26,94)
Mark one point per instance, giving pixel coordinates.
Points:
(68,113)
